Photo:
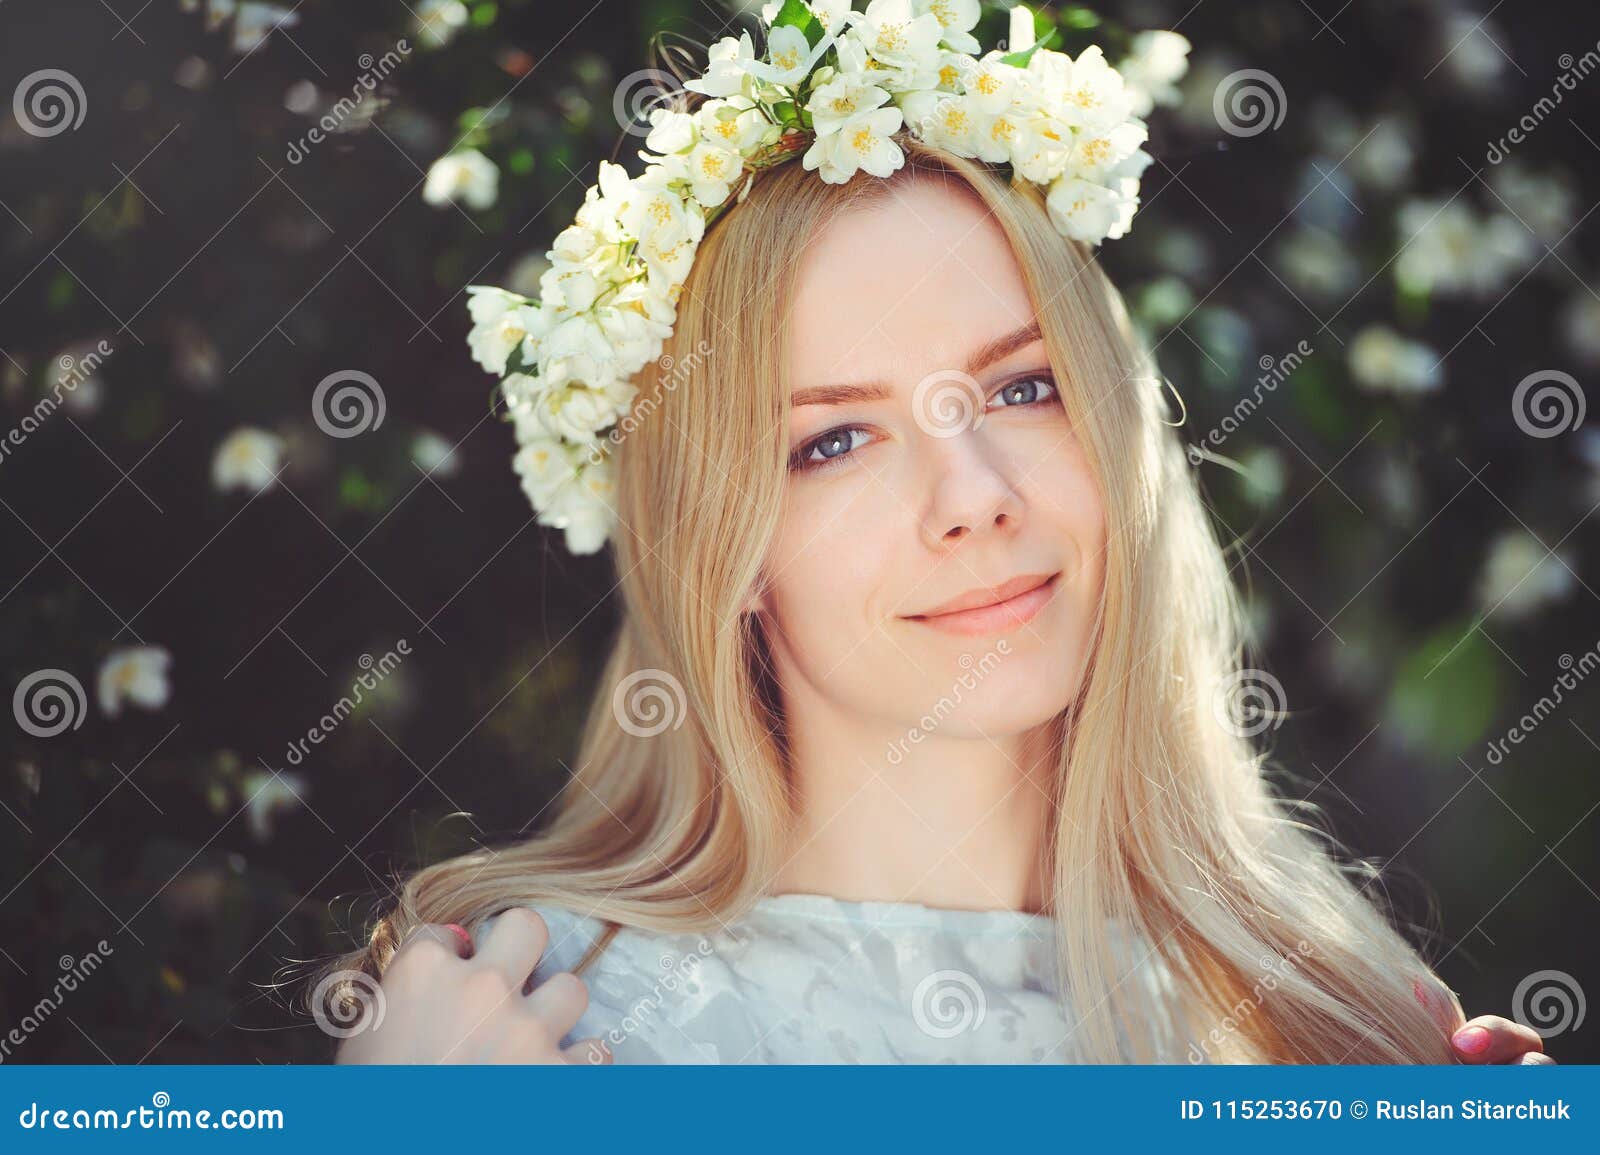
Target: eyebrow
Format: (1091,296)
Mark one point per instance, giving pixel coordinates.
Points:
(986,355)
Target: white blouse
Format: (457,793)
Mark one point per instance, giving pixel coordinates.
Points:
(808,978)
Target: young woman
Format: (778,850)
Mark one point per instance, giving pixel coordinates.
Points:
(879,831)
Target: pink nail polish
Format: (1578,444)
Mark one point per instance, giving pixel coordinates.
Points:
(1471,1040)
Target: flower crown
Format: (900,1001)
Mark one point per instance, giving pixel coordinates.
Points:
(839,84)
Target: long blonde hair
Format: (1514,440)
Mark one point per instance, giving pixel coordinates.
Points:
(1276,948)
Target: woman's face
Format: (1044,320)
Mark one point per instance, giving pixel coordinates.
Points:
(930,457)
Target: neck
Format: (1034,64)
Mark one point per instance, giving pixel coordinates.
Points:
(951,821)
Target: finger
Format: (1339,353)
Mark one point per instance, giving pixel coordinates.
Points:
(1536,1059)
(430,937)
(588,1053)
(514,944)
(1492,1039)
(559,1001)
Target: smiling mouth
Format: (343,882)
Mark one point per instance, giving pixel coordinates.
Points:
(996,617)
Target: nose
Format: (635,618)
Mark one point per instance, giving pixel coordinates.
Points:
(969,494)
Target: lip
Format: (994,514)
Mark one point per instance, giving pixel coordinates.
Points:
(995,610)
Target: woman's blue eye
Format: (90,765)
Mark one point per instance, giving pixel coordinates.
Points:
(837,444)
(1026,391)
(831,446)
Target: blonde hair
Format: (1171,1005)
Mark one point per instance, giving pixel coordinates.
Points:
(1276,951)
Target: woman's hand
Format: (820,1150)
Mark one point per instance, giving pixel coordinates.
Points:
(1491,1039)
(443,1003)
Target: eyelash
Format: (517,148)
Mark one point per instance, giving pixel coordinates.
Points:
(798,460)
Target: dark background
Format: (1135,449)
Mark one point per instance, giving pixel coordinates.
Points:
(1407,629)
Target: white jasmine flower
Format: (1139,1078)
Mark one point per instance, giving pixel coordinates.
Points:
(576,350)
(266,795)
(437,21)
(845,96)
(248,458)
(465,176)
(1580,325)
(735,124)
(790,57)
(861,142)
(894,34)
(1156,61)
(1545,202)
(137,675)
(1385,157)
(254,22)
(545,465)
(1086,211)
(434,454)
(1381,359)
(1318,262)
(579,413)
(498,326)
(585,512)
(728,67)
(956,19)
(1095,99)
(712,170)
(1447,247)
(1520,575)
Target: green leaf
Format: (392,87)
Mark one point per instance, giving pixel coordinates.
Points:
(1078,17)
(1020,59)
(793,14)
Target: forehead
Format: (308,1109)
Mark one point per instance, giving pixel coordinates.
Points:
(904,287)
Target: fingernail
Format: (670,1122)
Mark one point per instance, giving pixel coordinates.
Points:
(1471,1040)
